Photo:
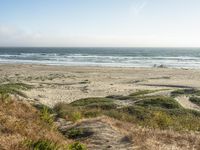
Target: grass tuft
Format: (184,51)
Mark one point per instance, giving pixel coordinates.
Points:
(77,146)
(46,116)
(42,145)
(159,101)
(14,88)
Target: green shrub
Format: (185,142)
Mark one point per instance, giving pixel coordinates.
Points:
(77,146)
(143,92)
(46,115)
(95,103)
(42,145)
(185,92)
(68,112)
(160,101)
(41,107)
(14,88)
(75,116)
(195,100)
(139,113)
(92,113)
(152,111)
(4,96)
(77,133)
(160,120)
(121,97)
(89,101)
(155,117)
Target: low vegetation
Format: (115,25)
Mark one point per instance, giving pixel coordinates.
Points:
(195,100)
(23,127)
(159,101)
(78,133)
(21,121)
(148,111)
(32,127)
(43,145)
(13,88)
(98,103)
(180,92)
(143,92)
(77,146)
(49,145)
(46,115)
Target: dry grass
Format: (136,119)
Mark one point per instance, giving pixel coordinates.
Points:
(144,138)
(19,122)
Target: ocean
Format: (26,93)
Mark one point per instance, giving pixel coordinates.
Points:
(114,57)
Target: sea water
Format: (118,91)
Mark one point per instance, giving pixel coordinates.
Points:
(114,57)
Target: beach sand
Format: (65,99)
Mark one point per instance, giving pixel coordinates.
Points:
(53,84)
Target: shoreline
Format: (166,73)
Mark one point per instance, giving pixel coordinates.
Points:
(95,66)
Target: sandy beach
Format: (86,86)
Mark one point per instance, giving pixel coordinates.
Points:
(54,84)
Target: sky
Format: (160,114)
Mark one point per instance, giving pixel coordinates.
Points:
(100,23)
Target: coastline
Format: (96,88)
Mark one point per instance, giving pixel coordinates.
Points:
(54,84)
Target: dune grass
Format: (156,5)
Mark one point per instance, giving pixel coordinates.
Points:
(145,92)
(98,103)
(43,145)
(13,88)
(23,127)
(22,121)
(180,92)
(78,133)
(159,101)
(153,111)
(195,100)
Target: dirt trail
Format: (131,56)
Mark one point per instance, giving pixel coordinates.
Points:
(104,136)
(184,101)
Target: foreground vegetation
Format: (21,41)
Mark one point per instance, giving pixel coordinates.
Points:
(195,100)
(33,126)
(14,89)
(24,127)
(148,111)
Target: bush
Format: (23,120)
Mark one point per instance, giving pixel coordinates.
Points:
(46,116)
(42,145)
(88,101)
(77,133)
(14,88)
(159,101)
(77,146)
(185,92)
(75,116)
(4,96)
(121,97)
(143,92)
(195,100)
(160,120)
(152,111)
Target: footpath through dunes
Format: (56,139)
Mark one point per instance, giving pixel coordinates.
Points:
(98,134)
(183,96)
(186,103)
(104,133)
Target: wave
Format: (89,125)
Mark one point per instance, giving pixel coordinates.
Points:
(94,57)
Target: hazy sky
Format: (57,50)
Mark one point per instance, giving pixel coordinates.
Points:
(126,23)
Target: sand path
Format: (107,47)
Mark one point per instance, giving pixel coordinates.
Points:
(184,101)
(104,136)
